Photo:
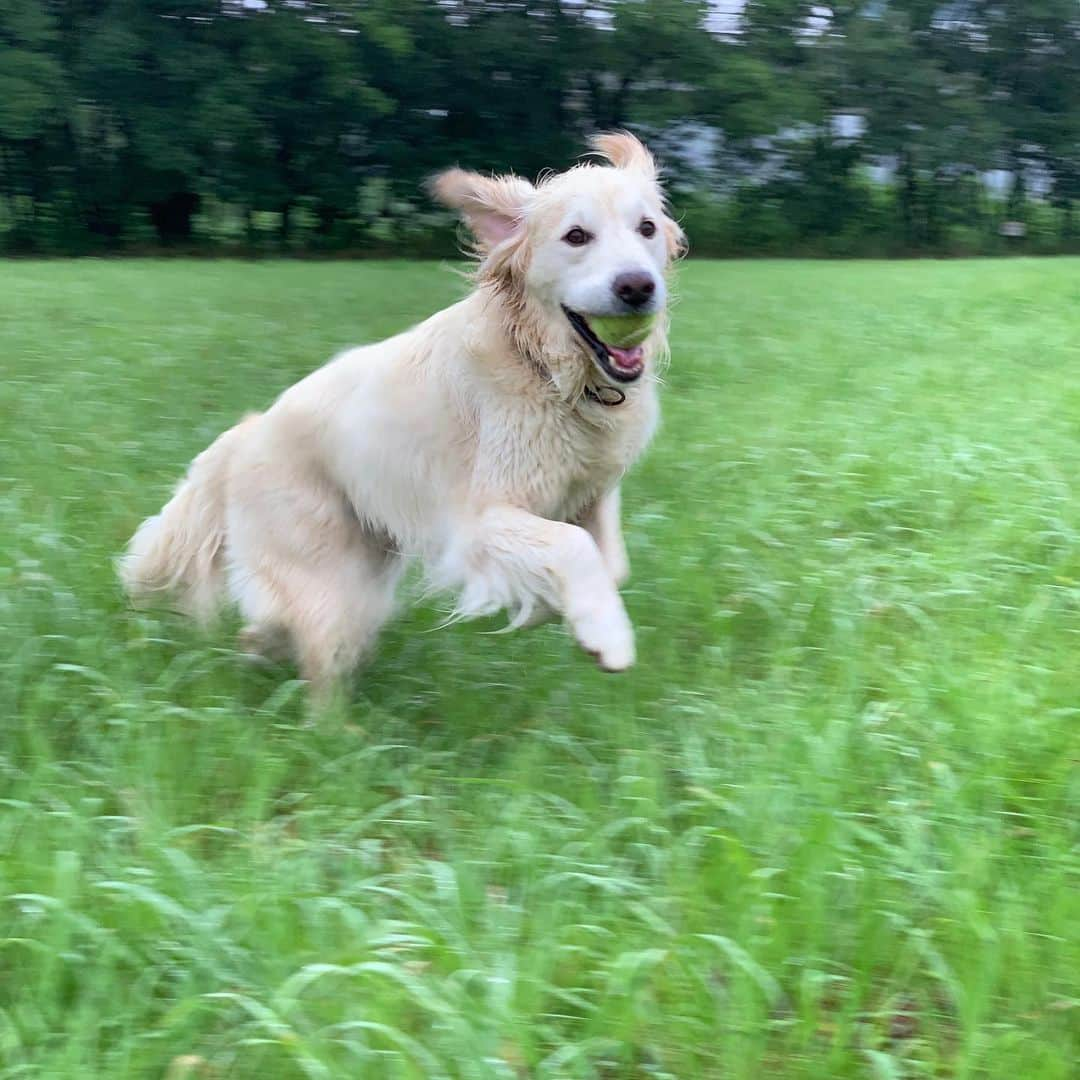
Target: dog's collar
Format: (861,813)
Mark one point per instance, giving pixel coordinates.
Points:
(605,394)
(602,394)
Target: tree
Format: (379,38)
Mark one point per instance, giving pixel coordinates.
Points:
(1030,54)
(123,116)
(921,110)
(31,103)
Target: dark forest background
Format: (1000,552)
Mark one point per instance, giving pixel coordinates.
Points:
(878,127)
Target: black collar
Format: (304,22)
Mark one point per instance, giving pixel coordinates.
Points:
(604,394)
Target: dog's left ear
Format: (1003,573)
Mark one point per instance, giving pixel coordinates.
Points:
(674,238)
(625,151)
(493,206)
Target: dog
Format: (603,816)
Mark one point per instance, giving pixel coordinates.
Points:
(488,442)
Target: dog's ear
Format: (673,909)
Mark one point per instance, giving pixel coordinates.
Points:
(624,151)
(675,238)
(627,151)
(493,206)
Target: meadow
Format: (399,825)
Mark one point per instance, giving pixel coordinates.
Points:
(828,827)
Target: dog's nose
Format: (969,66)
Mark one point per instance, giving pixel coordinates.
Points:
(635,289)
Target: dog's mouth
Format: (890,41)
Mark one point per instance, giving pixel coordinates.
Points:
(622,365)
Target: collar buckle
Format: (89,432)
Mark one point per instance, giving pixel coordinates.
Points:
(604,394)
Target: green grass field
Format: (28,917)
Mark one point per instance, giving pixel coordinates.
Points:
(828,827)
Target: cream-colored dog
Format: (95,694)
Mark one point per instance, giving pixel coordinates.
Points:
(488,442)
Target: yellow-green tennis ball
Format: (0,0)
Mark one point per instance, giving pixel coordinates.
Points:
(622,331)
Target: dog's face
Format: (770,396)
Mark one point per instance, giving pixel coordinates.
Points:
(598,250)
(586,245)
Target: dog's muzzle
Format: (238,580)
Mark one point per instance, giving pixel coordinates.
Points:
(621,365)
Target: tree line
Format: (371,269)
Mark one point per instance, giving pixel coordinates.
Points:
(860,127)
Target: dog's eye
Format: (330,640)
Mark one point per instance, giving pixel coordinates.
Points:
(576,237)
(647,228)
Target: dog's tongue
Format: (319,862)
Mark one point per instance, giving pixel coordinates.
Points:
(627,359)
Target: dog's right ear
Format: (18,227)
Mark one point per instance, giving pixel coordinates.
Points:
(493,206)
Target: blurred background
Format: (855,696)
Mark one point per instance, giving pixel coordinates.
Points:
(829,826)
(861,128)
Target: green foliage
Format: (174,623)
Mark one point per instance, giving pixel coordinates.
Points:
(129,123)
(827,827)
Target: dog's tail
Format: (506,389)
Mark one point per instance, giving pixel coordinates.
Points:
(180,552)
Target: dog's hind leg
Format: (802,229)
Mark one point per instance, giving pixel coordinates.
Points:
(339,611)
(265,642)
(329,610)
(304,570)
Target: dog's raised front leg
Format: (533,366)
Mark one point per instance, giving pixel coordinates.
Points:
(602,522)
(519,559)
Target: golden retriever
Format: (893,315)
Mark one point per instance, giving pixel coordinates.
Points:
(488,442)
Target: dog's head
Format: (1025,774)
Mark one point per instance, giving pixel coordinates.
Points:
(581,247)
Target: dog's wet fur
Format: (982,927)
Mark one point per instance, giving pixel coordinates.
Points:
(483,442)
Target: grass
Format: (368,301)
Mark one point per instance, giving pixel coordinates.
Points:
(828,827)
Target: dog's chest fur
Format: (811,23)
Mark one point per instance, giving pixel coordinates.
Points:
(555,460)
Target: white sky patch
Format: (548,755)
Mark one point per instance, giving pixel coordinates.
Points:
(848,125)
(724,16)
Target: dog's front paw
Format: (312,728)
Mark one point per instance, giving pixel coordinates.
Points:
(609,639)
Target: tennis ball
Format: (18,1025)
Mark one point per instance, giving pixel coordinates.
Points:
(622,331)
